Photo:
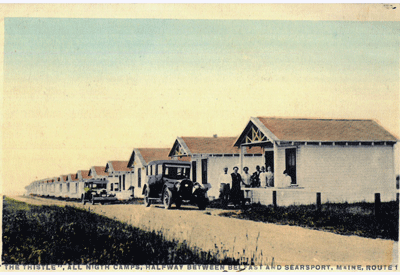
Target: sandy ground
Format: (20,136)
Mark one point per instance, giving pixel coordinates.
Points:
(267,243)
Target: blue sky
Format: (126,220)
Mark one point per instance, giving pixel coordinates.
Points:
(80,92)
(92,47)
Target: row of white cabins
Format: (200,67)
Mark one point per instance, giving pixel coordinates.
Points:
(343,160)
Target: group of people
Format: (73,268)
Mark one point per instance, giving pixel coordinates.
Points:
(260,178)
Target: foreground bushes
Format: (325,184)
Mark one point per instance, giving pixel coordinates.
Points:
(66,235)
(342,218)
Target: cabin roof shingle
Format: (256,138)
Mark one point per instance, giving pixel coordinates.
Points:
(100,170)
(85,174)
(300,129)
(120,165)
(150,154)
(215,145)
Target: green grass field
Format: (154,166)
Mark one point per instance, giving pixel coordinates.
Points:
(341,218)
(67,235)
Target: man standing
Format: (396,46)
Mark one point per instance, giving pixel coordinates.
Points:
(225,180)
(255,178)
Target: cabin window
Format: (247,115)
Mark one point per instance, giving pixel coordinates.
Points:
(112,187)
(123,182)
(159,169)
(139,175)
(204,171)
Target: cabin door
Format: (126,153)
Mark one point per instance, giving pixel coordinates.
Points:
(204,171)
(291,163)
(139,175)
(269,160)
(194,171)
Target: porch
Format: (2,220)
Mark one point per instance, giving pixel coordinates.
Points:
(302,196)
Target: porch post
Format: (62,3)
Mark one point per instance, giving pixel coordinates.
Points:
(277,168)
(242,148)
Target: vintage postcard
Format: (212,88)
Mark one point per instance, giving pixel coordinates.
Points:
(200,137)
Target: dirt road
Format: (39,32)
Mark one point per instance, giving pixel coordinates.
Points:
(265,242)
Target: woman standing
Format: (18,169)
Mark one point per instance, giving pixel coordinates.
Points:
(246,177)
(270,177)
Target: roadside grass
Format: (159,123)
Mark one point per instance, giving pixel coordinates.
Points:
(67,235)
(130,201)
(340,218)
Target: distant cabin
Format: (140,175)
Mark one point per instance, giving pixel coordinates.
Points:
(138,161)
(120,178)
(209,156)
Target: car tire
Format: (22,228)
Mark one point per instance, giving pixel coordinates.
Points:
(178,203)
(202,205)
(146,200)
(167,198)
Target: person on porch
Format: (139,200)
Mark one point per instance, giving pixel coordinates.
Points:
(255,178)
(270,177)
(246,177)
(287,180)
(263,178)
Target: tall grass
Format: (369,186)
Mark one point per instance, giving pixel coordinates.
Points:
(66,235)
(341,218)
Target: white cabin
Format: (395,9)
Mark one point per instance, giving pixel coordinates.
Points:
(121,176)
(343,160)
(138,161)
(209,156)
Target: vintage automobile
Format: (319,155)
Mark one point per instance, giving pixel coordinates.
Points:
(96,191)
(168,181)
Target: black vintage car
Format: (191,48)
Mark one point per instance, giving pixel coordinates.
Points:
(168,182)
(96,191)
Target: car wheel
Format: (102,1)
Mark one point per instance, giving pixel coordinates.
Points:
(146,198)
(167,198)
(178,203)
(202,204)
(83,199)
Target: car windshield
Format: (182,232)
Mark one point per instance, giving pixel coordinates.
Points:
(176,172)
(97,185)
